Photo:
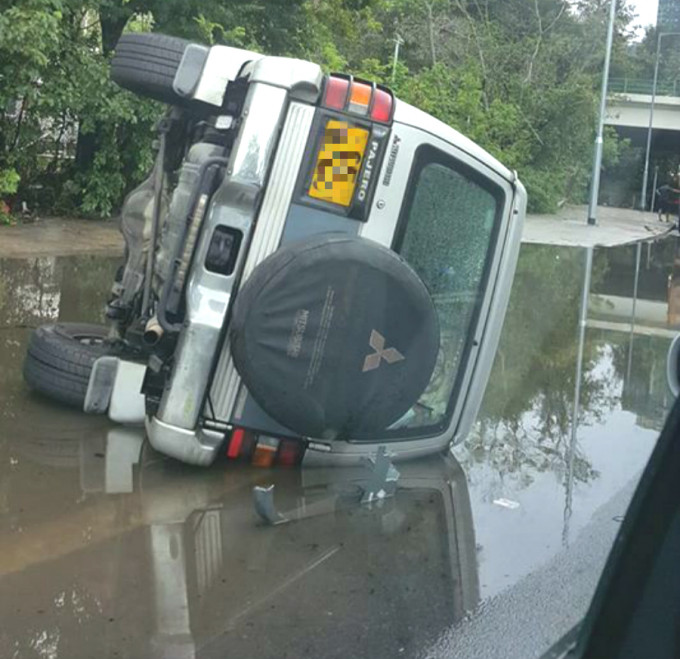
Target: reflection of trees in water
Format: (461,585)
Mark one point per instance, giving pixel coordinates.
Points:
(34,291)
(525,420)
(28,291)
(645,389)
(40,290)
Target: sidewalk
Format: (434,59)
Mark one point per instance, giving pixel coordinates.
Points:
(615,226)
(64,237)
(61,237)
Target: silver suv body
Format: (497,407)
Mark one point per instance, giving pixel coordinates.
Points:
(415,186)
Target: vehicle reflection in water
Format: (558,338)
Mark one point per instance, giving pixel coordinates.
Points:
(152,558)
(109,549)
(533,482)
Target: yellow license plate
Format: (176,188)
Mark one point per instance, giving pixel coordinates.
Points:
(338,162)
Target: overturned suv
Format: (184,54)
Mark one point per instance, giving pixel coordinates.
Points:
(314,269)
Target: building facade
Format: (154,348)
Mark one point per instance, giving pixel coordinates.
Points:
(668,16)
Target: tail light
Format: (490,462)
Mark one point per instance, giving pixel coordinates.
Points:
(359,98)
(335,96)
(382,106)
(264,451)
(290,452)
(241,444)
(235,442)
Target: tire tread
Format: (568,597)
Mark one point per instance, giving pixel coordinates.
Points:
(146,63)
(58,366)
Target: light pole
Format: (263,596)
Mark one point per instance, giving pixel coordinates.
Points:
(645,177)
(599,140)
(398,41)
(576,410)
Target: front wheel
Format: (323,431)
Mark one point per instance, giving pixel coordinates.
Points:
(60,358)
(146,63)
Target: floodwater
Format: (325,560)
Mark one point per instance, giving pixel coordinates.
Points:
(108,549)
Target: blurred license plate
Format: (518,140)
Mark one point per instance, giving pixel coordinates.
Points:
(338,162)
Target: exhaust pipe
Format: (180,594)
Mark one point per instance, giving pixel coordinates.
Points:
(152,332)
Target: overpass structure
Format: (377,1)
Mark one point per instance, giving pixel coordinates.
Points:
(628,109)
(630,101)
(631,110)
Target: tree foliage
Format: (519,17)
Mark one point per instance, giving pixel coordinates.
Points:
(520,77)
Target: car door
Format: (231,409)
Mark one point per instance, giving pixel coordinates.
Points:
(455,215)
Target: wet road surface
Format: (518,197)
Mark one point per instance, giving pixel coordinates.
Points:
(108,549)
(53,236)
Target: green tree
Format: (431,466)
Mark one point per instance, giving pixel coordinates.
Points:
(518,76)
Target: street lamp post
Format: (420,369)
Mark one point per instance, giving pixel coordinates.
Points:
(645,177)
(599,140)
(398,41)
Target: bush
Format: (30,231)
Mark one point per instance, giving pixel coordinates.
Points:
(9,181)
(544,189)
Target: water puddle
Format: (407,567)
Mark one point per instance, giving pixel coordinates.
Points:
(106,545)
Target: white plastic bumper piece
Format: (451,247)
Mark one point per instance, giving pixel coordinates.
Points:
(127,399)
(197,447)
(116,385)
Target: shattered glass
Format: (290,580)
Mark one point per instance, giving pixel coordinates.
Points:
(447,240)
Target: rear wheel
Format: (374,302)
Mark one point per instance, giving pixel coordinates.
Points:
(60,357)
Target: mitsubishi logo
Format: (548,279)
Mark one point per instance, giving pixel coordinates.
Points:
(390,355)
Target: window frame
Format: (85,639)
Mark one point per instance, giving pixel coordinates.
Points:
(425,155)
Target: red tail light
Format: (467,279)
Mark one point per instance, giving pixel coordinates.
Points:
(336,93)
(265,451)
(290,452)
(382,106)
(235,443)
(241,444)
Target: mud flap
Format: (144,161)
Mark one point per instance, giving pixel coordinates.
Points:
(100,386)
(116,386)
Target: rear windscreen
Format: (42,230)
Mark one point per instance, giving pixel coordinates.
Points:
(447,233)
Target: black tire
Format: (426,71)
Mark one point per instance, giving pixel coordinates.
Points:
(146,63)
(335,337)
(60,357)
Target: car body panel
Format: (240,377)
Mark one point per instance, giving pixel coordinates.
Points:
(264,196)
(275,205)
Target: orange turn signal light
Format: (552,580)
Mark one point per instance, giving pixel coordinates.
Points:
(265,452)
(360,97)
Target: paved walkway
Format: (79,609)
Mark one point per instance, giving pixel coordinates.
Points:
(61,237)
(616,226)
(638,330)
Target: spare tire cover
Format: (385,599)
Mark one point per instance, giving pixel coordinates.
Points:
(335,337)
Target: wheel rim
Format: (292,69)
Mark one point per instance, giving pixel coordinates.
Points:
(89,339)
(93,336)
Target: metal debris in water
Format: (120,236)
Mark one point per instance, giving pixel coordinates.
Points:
(383,479)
